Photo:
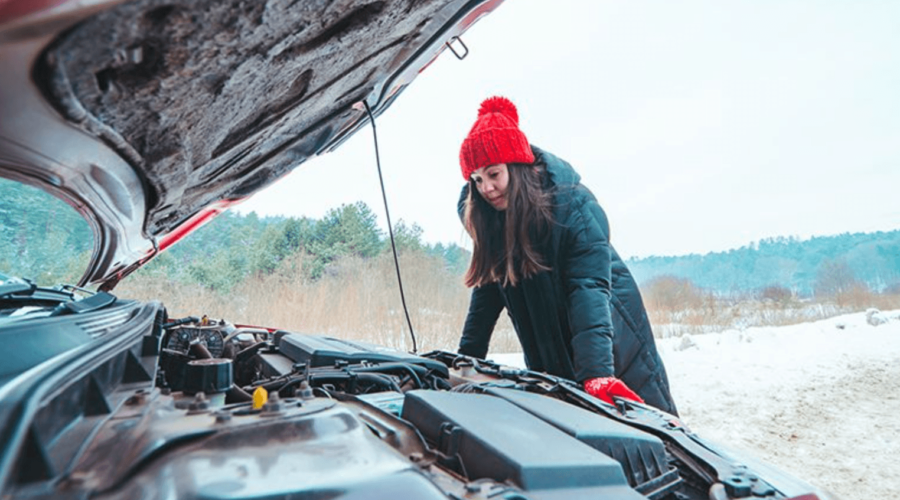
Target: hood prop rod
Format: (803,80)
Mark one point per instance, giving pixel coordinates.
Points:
(387,214)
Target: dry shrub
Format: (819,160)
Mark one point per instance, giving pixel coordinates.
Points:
(720,313)
(857,296)
(777,295)
(676,305)
(887,301)
(854,296)
(671,293)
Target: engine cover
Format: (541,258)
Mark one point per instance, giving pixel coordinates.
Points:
(488,437)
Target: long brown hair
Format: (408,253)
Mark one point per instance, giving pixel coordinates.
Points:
(504,242)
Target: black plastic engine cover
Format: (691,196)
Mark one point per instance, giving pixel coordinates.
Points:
(493,438)
(642,456)
(318,351)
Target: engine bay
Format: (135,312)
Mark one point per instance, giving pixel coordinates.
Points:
(473,427)
(283,363)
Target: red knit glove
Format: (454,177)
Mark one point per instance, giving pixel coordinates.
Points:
(607,387)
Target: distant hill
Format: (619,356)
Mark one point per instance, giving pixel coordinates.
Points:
(870,258)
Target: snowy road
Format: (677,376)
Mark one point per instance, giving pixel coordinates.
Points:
(817,400)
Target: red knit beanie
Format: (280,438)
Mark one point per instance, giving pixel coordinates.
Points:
(495,138)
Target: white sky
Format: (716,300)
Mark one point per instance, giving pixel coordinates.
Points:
(700,126)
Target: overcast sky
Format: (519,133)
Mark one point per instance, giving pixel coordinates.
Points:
(700,126)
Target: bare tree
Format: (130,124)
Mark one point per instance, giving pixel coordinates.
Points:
(836,280)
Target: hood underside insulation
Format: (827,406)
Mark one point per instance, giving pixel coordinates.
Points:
(212,100)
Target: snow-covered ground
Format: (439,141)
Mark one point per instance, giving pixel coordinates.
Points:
(820,400)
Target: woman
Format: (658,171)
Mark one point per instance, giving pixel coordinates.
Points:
(541,250)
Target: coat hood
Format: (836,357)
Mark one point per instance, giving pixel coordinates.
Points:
(561,174)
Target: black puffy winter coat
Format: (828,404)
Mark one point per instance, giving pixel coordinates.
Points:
(585,317)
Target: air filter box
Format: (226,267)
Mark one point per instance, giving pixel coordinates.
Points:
(484,436)
(641,455)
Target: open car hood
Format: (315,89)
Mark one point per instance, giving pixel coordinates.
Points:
(152,116)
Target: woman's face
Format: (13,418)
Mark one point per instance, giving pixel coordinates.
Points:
(492,182)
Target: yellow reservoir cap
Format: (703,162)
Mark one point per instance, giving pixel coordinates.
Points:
(260,396)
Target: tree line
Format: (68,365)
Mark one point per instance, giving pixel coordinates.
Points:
(233,246)
(818,265)
(44,239)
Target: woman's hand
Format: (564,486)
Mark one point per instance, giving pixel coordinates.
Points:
(606,387)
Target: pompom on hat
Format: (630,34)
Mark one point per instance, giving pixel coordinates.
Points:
(495,138)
